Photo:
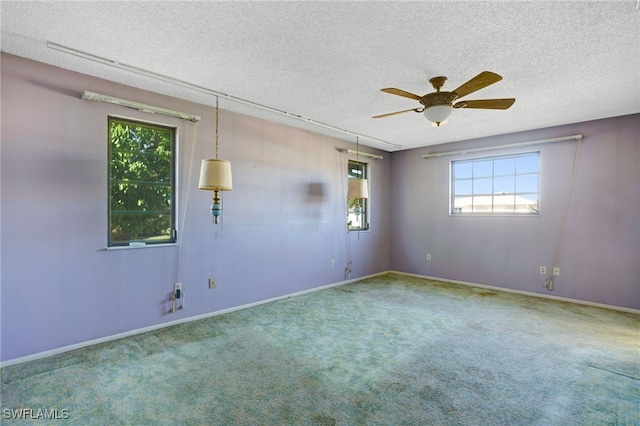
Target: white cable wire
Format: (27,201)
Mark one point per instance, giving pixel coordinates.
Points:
(556,253)
(206,90)
(345,203)
(183,221)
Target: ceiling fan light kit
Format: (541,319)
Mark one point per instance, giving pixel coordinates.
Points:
(438,105)
(438,114)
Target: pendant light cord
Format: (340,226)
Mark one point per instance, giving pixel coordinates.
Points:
(219,193)
(217,115)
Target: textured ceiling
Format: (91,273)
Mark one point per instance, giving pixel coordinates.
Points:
(564,62)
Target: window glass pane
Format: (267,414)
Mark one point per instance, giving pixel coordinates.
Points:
(462,204)
(356,214)
(504,185)
(527,203)
(482,168)
(504,166)
(356,170)
(462,170)
(482,186)
(528,198)
(482,204)
(527,183)
(141,176)
(132,227)
(463,187)
(503,203)
(527,164)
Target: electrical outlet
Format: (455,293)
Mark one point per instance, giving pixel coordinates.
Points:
(212,283)
(333,263)
(177,290)
(428,257)
(556,270)
(543,270)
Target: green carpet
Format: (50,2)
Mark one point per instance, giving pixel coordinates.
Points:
(390,350)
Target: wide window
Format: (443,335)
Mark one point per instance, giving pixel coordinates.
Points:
(495,185)
(141,183)
(357,208)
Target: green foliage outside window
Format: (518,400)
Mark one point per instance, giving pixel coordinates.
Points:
(141,183)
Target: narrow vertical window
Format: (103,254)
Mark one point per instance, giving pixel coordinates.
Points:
(357,208)
(141,183)
(495,185)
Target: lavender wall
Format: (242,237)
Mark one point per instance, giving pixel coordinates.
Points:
(61,287)
(278,236)
(600,253)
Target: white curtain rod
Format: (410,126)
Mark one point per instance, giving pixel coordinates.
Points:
(513,145)
(201,89)
(364,154)
(97,97)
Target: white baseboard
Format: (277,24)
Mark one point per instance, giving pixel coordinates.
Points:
(524,293)
(57,351)
(81,345)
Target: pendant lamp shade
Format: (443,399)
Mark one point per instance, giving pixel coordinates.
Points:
(358,188)
(215,175)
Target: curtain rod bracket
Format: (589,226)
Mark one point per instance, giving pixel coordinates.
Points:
(512,145)
(97,97)
(364,154)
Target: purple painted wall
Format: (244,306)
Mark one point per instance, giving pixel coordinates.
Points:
(600,253)
(61,287)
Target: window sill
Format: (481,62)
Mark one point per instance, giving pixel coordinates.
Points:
(494,214)
(140,246)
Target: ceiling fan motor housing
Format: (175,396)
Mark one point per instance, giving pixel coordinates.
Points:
(438,98)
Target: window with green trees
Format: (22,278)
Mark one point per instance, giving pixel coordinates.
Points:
(141,183)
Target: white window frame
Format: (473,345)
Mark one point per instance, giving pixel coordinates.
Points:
(171,239)
(477,201)
(364,203)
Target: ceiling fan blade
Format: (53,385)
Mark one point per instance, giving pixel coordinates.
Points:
(399,92)
(486,103)
(398,112)
(482,80)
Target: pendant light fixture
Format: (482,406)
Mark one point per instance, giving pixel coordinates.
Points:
(215,175)
(358,188)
